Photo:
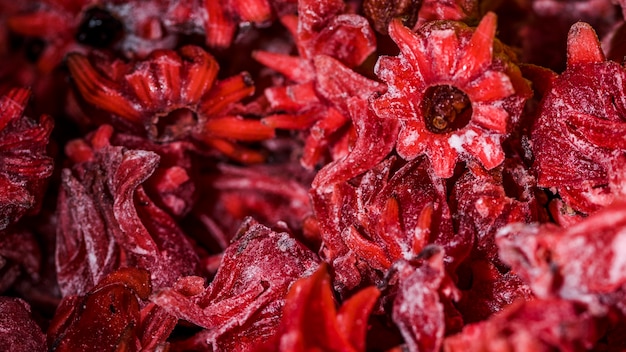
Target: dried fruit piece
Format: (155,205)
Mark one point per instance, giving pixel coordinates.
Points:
(389,213)
(106,221)
(455,91)
(581,124)
(542,255)
(422,291)
(242,306)
(172,96)
(24,165)
(323,70)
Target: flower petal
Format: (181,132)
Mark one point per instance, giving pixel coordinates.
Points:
(410,46)
(491,117)
(490,86)
(583,45)
(486,149)
(479,50)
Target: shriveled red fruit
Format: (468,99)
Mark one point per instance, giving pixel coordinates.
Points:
(321,77)
(18,330)
(388,213)
(242,306)
(583,262)
(311,322)
(106,220)
(111,317)
(455,91)
(24,164)
(537,325)
(581,124)
(172,96)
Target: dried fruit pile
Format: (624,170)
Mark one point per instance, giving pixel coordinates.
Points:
(312,175)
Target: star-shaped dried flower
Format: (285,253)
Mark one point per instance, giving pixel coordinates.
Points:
(455,91)
(172,95)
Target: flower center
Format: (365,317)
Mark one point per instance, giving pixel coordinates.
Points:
(174,124)
(446,108)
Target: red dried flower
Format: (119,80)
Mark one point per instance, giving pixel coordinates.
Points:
(106,220)
(581,124)
(24,165)
(172,96)
(389,213)
(322,70)
(454,90)
(111,317)
(242,306)
(542,256)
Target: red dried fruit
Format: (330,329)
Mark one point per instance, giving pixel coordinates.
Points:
(311,321)
(454,90)
(18,331)
(322,70)
(172,96)
(581,125)
(242,306)
(537,325)
(24,165)
(389,213)
(542,255)
(106,221)
(110,317)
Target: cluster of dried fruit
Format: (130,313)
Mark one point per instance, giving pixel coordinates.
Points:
(312,175)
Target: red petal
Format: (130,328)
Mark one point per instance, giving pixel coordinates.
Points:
(583,45)
(479,51)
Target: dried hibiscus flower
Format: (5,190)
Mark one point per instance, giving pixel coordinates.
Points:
(581,124)
(330,42)
(24,165)
(389,213)
(106,220)
(455,91)
(242,306)
(170,96)
(542,256)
